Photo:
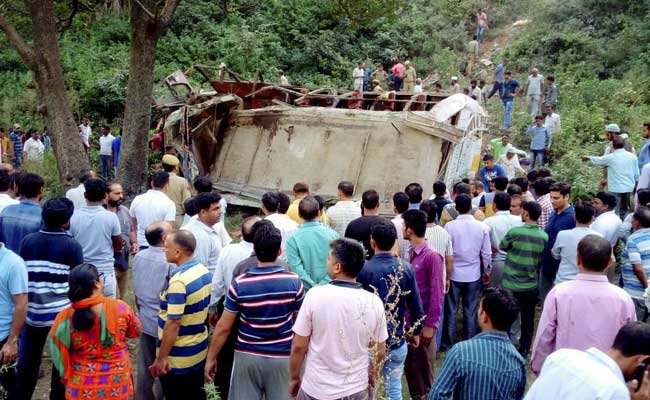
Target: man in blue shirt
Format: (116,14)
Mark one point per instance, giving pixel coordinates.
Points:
(499,73)
(510,87)
(19,220)
(490,171)
(117,143)
(540,141)
(16,139)
(644,153)
(487,366)
(562,219)
(394,282)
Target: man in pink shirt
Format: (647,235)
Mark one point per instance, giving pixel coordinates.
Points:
(482,20)
(586,312)
(398,74)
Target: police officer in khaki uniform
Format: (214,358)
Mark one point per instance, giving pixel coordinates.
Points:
(179,188)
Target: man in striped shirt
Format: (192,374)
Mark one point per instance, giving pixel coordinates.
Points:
(182,328)
(264,301)
(488,365)
(345,210)
(525,245)
(49,255)
(635,268)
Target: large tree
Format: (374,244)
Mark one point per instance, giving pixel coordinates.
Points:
(43,59)
(149,20)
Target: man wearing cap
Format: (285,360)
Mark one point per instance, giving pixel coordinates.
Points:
(409,77)
(533,90)
(613,130)
(179,188)
(16,140)
(454,87)
(49,255)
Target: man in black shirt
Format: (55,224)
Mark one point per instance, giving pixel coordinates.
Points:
(359,229)
(439,191)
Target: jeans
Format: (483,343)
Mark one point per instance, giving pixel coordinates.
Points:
(393,370)
(147,387)
(419,369)
(470,293)
(539,157)
(480,33)
(507,109)
(497,87)
(106,166)
(622,204)
(184,387)
(8,379)
(527,302)
(30,352)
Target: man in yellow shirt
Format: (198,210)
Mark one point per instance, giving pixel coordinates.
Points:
(300,191)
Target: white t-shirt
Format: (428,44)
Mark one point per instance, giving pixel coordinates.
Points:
(34,149)
(341,321)
(77,196)
(553,123)
(417,89)
(105,142)
(150,207)
(476,92)
(84,132)
(535,84)
(607,224)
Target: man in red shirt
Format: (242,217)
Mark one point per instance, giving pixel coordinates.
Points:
(155,143)
(398,74)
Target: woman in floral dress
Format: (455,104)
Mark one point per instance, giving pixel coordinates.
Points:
(89,340)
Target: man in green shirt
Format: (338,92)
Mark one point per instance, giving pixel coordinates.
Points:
(308,248)
(525,245)
(499,147)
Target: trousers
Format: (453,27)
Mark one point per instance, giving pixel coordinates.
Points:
(147,387)
(507,113)
(184,387)
(527,302)
(539,158)
(419,369)
(256,377)
(496,88)
(30,353)
(532,104)
(393,370)
(622,204)
(363,395)
(106,166)
(470,293)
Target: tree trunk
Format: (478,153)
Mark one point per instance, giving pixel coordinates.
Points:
(146,29)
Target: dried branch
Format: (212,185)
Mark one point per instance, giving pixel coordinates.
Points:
(25,51)
(167,13)
(145,9)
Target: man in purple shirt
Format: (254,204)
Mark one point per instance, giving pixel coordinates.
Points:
(472,265)
(586,312)
(427,265)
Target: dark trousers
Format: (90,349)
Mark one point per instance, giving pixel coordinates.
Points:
(497,87)
(622,204)
(184,387)
(225,362)
(147,387)
(8,379)
(32,341)
(470,293)
(418,369)
(398,84)
(527,302)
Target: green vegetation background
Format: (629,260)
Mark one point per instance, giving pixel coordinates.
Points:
(599,51)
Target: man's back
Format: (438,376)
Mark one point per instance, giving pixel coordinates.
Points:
(359,230)
(150,273)
(150,207)
(178,192)
(307,252)
(17,221)
(570,374)
(500,223)
(208,244)
(341,214)
(524,246)
(485,367)
(93,227)
(286,225)
(470,239)
(229,257)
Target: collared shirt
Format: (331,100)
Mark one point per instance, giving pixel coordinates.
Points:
(622,170)
(76,196)
(84,132)
(428,265)
(534,85)
(565,249)
(229,257)
(636,252)
(93,227)
(524,246)
(266,299)
(287,228)
(251,262)
(150,273)
(541,137)
(509,90)
(187,298)
(403,244)
(379,275)
(471,241)
(307,252)
(6,200)
(553,123)
(500,223)
(208,244)
(49,255)
(511,165)
(558,222)
(34,149)
(485,367)
(568,321)
(18,144)
(105,145)
(449,213)
(547,209)
(13,281)
(179,192)
(487,175)
(644,154)
(608,224)
(17,221)
(570,374)
(341,214)
(293,212)
(150,207)
(551,93)
(440,241)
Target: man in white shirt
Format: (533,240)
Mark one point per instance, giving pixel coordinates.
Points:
(106,153)
(208,242)
(478,191)
(357,76)
(84,133)
(552,120)
(565,248)
(33,148)
(570,374)
(152,206)
(608,222)
(500,223)
(230,256)
(345,210)
(533,90)
(510,162)
(5,198)
(475,92)
(417,89)
(286,226)
(76,194)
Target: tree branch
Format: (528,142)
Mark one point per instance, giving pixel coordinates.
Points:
(167,13)
(145,9)
(25,51)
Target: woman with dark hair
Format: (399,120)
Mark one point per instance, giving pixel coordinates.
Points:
(88,344)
